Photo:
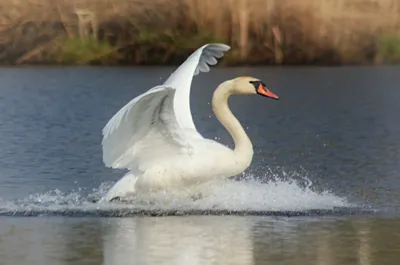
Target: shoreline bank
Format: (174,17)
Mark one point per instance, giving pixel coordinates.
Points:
(164,33)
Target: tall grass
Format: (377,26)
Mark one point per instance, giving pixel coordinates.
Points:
(165,31)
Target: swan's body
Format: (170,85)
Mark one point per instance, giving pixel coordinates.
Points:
(155,138)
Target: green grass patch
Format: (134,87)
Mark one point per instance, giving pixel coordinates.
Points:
(83,51)
(389,48)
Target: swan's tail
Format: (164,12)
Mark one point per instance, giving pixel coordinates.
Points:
(125,187)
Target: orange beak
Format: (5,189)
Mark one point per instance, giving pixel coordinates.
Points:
(262,90)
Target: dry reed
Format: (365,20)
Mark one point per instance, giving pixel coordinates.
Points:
(164,31)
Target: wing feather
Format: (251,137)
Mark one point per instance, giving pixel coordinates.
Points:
(129,125)
(181,79)
(157,123)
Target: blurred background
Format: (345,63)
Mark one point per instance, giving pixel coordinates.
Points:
(165,32)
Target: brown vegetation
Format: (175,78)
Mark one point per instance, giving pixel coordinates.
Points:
(165,31)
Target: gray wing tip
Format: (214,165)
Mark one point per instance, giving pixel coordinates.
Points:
(218,46)
(210,52)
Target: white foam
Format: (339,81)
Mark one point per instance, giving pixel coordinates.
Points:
(244,195)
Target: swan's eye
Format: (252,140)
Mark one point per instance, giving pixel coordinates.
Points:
(256,84)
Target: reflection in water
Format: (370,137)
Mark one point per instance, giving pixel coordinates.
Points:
(200,240)
(82,242)
(39,241)
(177,240)
(247,240)
(323,252)
(363,232)
(315,241)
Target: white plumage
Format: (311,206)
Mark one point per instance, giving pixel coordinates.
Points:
(155,138)
(162,116)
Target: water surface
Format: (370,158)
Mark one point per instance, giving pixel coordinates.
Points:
(329,147)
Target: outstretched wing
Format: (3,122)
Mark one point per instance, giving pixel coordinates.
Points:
(181,79)
(157,123)
(149,115)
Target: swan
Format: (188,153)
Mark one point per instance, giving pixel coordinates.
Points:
(154,137)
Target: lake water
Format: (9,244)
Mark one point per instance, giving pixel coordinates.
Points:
(323,188)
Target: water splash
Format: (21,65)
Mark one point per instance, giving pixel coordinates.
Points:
(273,192)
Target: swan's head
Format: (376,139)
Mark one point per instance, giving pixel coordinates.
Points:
(251,85)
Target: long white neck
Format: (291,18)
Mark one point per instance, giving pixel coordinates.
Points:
(243,147)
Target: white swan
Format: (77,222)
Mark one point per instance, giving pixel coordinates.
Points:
(155,138)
